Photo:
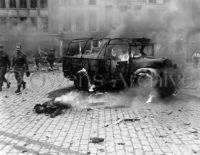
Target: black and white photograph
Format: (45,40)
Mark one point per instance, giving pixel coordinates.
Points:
(99,77)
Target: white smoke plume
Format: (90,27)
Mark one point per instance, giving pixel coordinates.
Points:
(172,25)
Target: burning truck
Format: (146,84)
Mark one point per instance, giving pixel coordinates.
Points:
(119,63)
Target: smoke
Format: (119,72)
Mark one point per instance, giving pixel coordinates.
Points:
(172,25)
(24,31)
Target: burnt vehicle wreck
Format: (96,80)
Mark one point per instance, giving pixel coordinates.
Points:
(118,63)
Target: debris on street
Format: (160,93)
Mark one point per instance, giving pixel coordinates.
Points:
(169,112)
(121,143)
(118,121)
(192,130)
(89,109)
(186,123)
(106,125)
(126,120)
(97,140)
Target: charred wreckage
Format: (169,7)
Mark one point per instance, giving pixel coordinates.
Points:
(118,63)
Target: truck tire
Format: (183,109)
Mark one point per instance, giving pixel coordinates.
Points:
(147,85)
(143,86)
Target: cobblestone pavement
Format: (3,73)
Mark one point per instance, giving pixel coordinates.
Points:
(169,127)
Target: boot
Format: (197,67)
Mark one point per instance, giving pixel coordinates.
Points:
(24,85)
(8,84)
(18,89)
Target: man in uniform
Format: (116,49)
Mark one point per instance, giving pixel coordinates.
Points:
(51,58)
(4,65)
(195,60)
(20,66)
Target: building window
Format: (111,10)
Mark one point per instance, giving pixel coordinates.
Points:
(22,4)
(67,24)
(2,4)
(23,23)
(92,21)
(12,3)
(13,22)
(152,1)
(33,4)
(44,24)
(92,2)
(43,3)
(3,21)
(33,23)
(80,23)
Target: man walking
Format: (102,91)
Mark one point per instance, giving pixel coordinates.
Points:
(4,65)
(20,66)
(195,60)
(37,59)
(51,58)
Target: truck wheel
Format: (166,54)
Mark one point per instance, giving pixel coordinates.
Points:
(81,82)
(145,86)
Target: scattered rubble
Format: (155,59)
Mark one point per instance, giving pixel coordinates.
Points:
(192,130)
(97,140)
(126,120)
(89,109)
(118,121)
(106,125)
(186,123)
(121,143)
(163,135)
(169,112)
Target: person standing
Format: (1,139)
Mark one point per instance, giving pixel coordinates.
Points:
(20,66)
(37,59)
(194,60)
(4,65)
(51,58)
(198,59)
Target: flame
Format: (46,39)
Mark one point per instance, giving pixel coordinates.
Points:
(124,57)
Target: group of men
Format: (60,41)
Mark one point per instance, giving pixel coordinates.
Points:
(196,59)
(19,66)
(50,57)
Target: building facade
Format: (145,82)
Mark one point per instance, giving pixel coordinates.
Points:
(47,23)
(24,22)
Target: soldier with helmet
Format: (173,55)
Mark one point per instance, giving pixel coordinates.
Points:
(4,65)
(20,66)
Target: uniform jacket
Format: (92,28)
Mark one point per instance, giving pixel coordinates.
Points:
(19,60)
(4,60)
(51,56)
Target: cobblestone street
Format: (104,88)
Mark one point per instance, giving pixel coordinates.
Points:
(164,128)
